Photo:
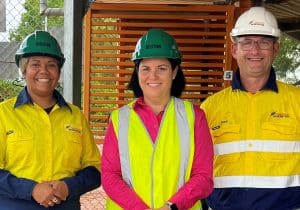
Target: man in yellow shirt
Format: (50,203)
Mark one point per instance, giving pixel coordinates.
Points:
(255,125)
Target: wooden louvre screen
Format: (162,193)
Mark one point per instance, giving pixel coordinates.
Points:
(111,32)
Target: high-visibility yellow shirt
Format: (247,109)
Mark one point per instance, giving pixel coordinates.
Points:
(42,147)
(256,145)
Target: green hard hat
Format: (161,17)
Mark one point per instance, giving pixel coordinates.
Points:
(156,43)
(40,43)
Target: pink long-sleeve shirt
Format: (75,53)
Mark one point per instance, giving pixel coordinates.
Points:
(199,185)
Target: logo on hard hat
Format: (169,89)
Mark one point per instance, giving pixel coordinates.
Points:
(256,23)
(152,46)
(45,44)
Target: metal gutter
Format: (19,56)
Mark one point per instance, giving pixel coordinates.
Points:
(45,11)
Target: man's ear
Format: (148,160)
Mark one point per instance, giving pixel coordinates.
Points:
(276,48)
(233,50)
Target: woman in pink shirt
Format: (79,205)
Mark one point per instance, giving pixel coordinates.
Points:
(157,151)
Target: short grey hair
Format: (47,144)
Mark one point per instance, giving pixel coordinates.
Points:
(23,65)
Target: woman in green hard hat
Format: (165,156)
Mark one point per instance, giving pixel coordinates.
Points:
(48,157)
(157,152)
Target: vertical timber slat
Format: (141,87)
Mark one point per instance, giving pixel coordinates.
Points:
(87,65)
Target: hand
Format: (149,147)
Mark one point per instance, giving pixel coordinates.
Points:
(43,193)
(61,189)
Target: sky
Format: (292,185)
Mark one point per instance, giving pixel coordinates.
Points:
(14,9)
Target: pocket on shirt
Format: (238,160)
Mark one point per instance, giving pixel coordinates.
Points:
(225,133)
(281,132)
(273,130)
(20,148)
(73,133)
(73,145)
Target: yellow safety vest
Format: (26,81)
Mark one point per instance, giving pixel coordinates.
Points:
(155,170)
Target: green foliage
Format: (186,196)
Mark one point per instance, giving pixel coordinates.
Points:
(288,59)
(9,89)
(31,20)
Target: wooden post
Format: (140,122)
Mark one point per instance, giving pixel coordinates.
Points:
(243,6)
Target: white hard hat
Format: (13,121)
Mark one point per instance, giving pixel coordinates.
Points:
(256,21)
